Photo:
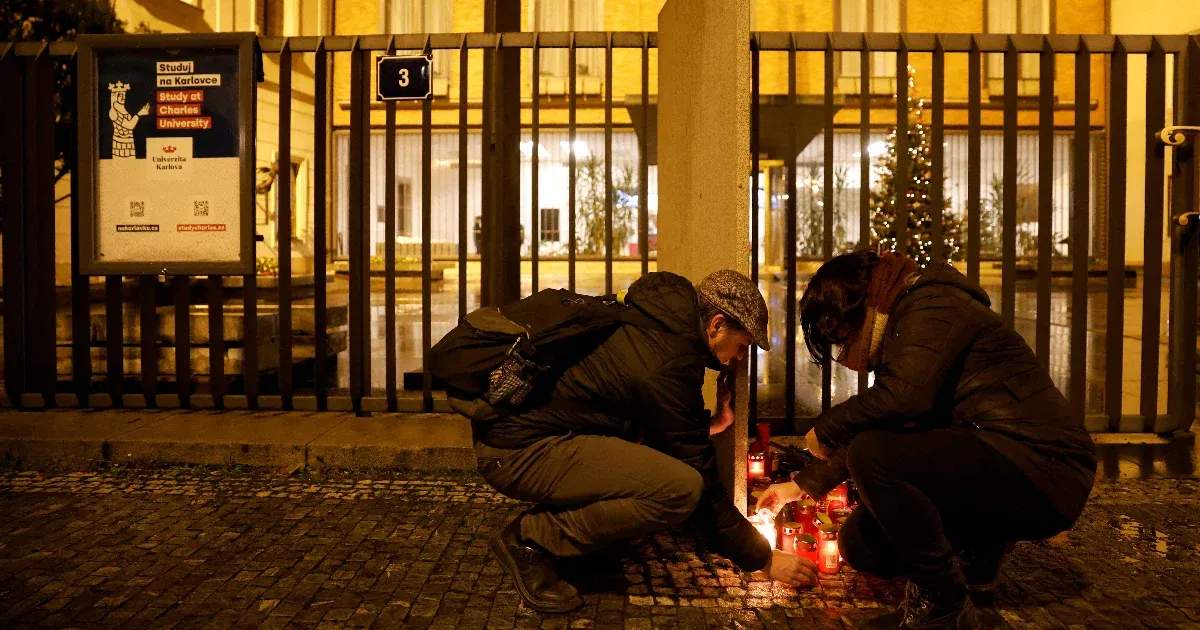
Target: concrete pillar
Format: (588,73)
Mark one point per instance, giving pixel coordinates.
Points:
(501,259)
(704,166)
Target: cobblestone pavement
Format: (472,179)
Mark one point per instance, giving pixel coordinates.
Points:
(191,548)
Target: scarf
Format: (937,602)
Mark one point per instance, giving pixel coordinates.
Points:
(889,280)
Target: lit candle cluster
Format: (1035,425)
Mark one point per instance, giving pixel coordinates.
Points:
(805,527)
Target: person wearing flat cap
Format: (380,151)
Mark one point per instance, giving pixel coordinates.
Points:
(623,446)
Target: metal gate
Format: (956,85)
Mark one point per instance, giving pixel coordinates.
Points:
(314,344)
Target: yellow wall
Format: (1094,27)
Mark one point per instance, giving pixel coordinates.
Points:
(1146,17)
(947,16)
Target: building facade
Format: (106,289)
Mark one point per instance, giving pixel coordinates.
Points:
(904,16)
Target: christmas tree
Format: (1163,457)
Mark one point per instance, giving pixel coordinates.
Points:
(920,200)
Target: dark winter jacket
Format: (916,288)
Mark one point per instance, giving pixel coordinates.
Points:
(644,383)
(949,360)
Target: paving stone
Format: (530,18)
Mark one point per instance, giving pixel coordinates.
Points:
(196,547)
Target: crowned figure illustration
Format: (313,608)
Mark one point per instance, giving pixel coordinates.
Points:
(123,121)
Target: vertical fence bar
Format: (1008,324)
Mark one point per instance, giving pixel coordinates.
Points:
(973,162)
(1156,105)
(608,177)
(250,383)
(147,288)
(389,245)
(320,221)
(826,201)
(644,162)
(903,178)
(938,152)
(12,205)
(790,238)
(755,74)
(427,246)
(39,224)
(359,265)
(1079,228)
(1008,273)
(463,154)
(1045,200)
(571,165)
(283,186)
(216,341)
(864,161)
(1118,108)
(114,374)
(1185,239)
(81,308)
(181,287)
(534,211)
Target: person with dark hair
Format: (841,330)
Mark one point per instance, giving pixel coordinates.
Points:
(961,446)
(622,447)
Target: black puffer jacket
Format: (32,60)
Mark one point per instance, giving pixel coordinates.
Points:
(645,384)
(948,360)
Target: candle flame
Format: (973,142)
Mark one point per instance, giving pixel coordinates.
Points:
(764,522)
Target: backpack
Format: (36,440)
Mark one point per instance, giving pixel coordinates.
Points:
(498,361)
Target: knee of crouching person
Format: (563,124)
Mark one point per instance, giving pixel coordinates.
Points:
(850,541)
(864,453)
(680,495)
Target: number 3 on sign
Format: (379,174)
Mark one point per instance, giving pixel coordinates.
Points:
(403,77)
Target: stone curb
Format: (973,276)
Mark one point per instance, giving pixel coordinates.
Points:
(79,440)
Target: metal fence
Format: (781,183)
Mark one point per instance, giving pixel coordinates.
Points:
(239,354)
(1102,337)
(287,341)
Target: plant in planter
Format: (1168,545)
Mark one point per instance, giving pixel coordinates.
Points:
(590,207)
(810,210)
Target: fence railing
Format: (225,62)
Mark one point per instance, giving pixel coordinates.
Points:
(1096,385)
(314,333)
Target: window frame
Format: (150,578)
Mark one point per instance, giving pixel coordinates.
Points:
(441,60)
(589,82)
(1026,85)
(544,229)
(880,83)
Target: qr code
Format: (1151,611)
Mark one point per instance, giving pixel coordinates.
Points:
(200,208)
(137,208)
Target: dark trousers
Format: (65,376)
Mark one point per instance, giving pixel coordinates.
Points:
(590,492)
(927,496)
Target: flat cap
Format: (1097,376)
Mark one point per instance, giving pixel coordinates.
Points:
(738,297)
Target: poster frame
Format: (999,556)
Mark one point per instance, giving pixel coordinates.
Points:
(88,156)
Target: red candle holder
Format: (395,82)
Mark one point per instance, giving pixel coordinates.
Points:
(756,467)
(787,539)
(829,559)
(806,515)
(806,547)
(838,499)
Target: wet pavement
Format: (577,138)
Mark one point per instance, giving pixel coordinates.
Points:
(772,374)
(590,278)
(209,548)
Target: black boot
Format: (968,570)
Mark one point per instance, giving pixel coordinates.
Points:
(534,571)
(925,610)
(981,565)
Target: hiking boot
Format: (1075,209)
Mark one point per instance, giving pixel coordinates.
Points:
(981,565)
(920,610)
(533,570)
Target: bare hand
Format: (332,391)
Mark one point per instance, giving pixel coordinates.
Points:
(814,446)
(723,418)
(777,496)
(791,569)
(144,110)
